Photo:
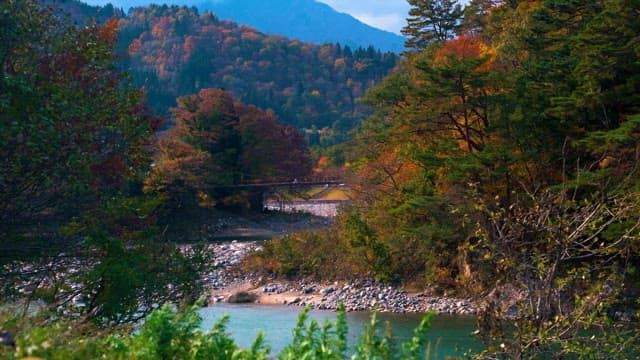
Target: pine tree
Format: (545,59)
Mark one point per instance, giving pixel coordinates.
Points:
(476,14)
(431,21)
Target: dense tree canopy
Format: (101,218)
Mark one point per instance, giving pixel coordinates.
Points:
(500,163)
(218,143)
(504,161)
(75,144)
(174,51)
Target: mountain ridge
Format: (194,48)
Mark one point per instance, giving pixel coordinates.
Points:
(305,20)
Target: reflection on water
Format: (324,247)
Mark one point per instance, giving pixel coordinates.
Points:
(450,333)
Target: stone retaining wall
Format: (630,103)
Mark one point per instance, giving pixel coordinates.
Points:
(324,208)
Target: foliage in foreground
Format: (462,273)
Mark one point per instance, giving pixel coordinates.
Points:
(167,334)
(503,164)
(75,144)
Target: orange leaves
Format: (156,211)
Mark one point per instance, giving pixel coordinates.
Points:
(229,41)
(174,51)
(134,47)
(217,141)
(163,27)
(189,47)
(358,66)
(109,31)
(249,35)
(464,47)
(327,54)
(178,163)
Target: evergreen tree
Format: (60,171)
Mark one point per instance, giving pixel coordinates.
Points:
(431,21)
(477,13)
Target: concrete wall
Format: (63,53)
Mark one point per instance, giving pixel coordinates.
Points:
(324,208)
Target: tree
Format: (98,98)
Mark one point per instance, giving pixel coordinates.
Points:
(271,151)
(209,122)
(69,129)
(431,21)
(217,143)
(477,15)
(75,143)
(299,82)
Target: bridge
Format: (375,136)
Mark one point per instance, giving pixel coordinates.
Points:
(290,184)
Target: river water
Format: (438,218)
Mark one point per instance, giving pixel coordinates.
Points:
(449,335)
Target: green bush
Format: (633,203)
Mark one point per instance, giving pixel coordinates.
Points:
(167,334)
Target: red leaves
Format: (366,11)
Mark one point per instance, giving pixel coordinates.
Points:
(109,31)
(189,46)
(163,27)
(464,47)
(218,142)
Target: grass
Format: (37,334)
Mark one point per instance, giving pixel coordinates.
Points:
(336,194)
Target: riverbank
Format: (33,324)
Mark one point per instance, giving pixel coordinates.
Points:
(264,225)
(360,295)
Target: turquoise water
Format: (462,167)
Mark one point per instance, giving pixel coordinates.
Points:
(449,335)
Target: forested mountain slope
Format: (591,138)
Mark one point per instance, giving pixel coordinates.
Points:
(306,20)
(502,162)
(173,51)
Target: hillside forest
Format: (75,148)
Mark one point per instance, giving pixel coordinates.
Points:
(496,159)
(173,51)
(501,161)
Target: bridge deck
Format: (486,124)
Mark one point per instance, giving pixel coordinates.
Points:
(283,184)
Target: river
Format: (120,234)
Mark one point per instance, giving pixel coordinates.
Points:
(449,335)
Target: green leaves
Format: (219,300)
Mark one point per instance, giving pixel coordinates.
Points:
(167,334)
(310,341)
(431,21)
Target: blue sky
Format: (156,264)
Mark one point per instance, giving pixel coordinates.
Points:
(388,15)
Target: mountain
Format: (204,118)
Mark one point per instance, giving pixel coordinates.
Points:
(175,51)
(81,12)
(306,20)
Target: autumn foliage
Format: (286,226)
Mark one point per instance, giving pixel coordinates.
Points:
(175,51)
(218,142)
(76,141)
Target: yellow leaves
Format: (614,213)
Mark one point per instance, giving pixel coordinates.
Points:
(608,160)
(204,200)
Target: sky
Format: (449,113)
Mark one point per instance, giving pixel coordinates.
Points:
(390,15)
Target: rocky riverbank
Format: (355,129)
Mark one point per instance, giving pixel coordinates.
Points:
(360,295)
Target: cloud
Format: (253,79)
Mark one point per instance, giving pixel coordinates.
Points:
(390,22)
(384,14)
